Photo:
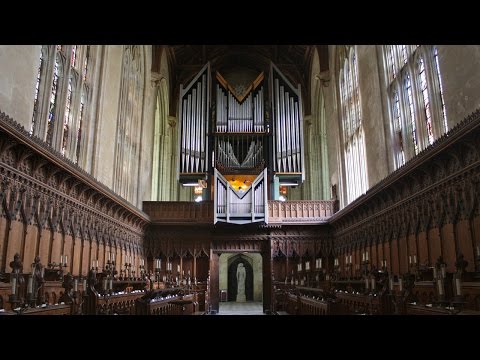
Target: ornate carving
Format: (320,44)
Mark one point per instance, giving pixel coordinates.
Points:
(39,185)
(437,187)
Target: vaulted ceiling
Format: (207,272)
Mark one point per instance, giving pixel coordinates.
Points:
(186,60)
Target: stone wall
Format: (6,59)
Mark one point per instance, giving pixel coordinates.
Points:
(18,73)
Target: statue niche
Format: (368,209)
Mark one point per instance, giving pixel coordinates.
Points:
(233,270)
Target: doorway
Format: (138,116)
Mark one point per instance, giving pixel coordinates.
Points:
(233,263)
(227,268)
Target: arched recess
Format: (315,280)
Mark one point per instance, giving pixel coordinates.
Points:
(161,145)
(352,136)
(129,123)
(164,160)
(233,263)
(316,136)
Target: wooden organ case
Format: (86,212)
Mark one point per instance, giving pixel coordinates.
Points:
(240,144)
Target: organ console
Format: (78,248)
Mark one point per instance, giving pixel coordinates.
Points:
(256,132)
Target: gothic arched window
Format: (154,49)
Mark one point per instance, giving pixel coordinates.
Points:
(415,94)
(353,135)
(61,97)
(129,124)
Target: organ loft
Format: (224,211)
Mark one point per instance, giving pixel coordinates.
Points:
(239,179)
(243,144)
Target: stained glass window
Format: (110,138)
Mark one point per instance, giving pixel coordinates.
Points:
(73,59)
(80,123)
(53,101)
(426,100)
(437,68)
(37,87)
(70,62)
(67,115)
(417,120)
(354,144)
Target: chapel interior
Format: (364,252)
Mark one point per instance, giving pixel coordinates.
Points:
(239,179)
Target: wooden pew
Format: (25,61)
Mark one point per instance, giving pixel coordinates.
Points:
(309,301)
(62,309)
(362,303)
(309,306)
(293,305)
(471,291)
(5,290)
(120,303)
(166,302)
(52,291)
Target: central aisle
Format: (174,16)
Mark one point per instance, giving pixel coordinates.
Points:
(243,308)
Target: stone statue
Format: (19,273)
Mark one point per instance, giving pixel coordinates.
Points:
(17,274)
(241,283)
(38,278)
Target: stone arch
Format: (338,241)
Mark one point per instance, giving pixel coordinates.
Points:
(162,145)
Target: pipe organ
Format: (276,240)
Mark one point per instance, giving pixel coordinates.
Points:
(247,140)
(287,121)
(194,120)
(239,114)
(240,207)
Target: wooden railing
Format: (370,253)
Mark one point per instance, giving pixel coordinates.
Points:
(279,212)
(300,212)
(173,212)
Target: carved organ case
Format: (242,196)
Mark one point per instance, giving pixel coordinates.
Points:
(242,140)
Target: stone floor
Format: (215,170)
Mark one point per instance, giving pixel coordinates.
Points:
(244,308)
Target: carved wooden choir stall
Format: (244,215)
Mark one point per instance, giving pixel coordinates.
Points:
(410,245)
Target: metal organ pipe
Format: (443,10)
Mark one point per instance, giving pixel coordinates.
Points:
(230,112)
(203,121)
(189,139)
(224,112)
(295,130)
(218,110)
(254,112)
(288,151)
(184,144)
(283,129)
(195,105)
(261,112)
(298,147)
(194,129)
(277,137)
(198,127)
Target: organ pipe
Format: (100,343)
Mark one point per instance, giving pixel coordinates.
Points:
(194,104)
(287,122)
